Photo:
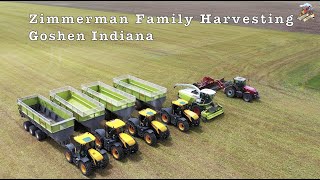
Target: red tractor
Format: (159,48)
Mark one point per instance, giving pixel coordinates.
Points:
(239,89)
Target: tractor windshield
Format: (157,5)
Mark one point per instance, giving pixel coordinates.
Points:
(120,130)
(151,118)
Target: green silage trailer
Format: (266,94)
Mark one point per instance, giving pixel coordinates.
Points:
(147,93)
(46,118)
(86,110)
(117,102)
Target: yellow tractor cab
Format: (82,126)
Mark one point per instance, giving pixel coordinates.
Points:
(146,126)
(115,140)
(180,115)
(83,153)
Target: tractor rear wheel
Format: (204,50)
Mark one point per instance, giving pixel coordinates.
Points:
(68,156)
(117,152)
(132,129)
(26,125)
(183,126)
(230,91)
(165,117)
(247,97)
(40,135)
(150,138)
(32,130)
(85,168)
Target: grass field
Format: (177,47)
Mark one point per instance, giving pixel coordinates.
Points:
(277,137)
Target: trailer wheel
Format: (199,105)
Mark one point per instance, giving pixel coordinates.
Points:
(247,97)
(68,156)
(150,138)
(39,135)
(132,129)
(117,152)
(85,168)
(165,117)
(230,91)
(26,125)
(32,130)
(183,126)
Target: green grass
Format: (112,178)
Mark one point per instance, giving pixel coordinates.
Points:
(314,82)
(277,137)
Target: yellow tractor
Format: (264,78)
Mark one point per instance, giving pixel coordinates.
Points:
(180,115)
(147,127)
(114,139)
(84,154)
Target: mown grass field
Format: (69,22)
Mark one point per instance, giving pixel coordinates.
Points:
(277,137)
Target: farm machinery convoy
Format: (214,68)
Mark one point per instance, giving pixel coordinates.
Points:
(236,88)
(104,113)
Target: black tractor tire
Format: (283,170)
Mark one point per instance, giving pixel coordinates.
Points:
(247,97)
(105,161)
(117,152)
(68,155)
(150,138)
(197,123)
(165,117)
(32,130)
(26,125)
(230,92)
(138,105)
(86,168)
(132,129)
(40,135)
(135,148)
(196,109)
(99,143)
(183,126)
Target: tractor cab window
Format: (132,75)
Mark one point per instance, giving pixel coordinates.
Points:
(206,98)
(240,83)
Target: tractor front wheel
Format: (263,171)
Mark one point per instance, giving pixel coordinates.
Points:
(150,138)
(183,126)
(85,168)
(247,97)
(132,129)
(105,161)
(230,92)
(165,117)
(68,156)
(196,109)
(117,152)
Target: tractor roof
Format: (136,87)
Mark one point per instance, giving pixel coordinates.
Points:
(84,138)
(116,123)
(180,102)
(238,78)
(147,112)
